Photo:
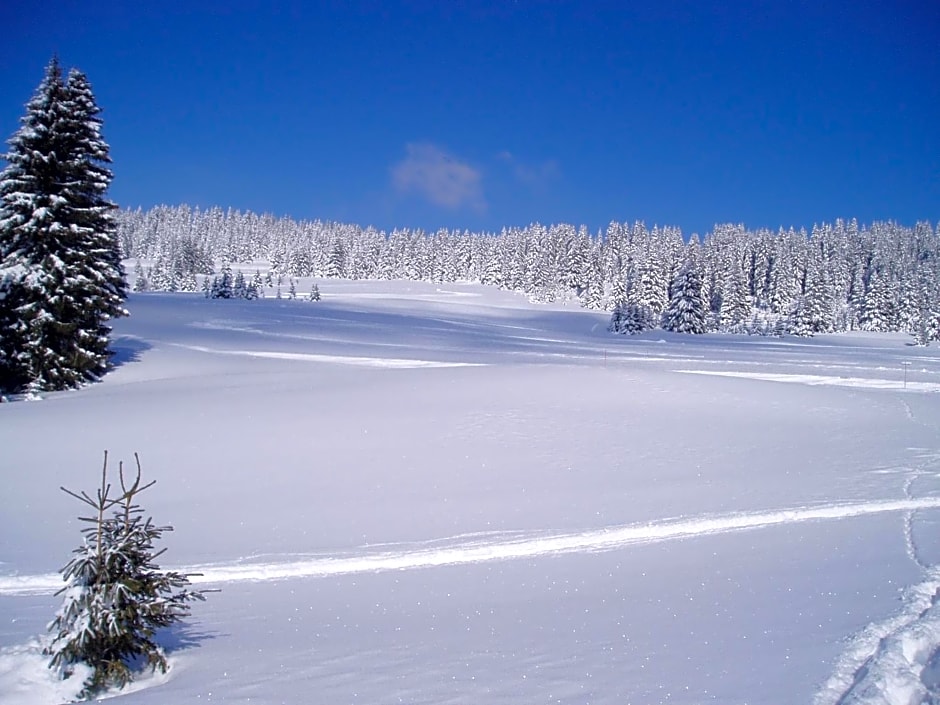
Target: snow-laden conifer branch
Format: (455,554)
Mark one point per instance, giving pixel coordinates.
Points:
(115,596)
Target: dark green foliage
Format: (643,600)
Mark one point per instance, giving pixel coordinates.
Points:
(115,596)
(223,285)
(227,285)
(631,318)
(240,286)
(61,278)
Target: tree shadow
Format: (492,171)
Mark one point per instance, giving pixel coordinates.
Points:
(127,349)
(123,350)
(182,637)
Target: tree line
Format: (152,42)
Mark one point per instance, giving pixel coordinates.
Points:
(837,277)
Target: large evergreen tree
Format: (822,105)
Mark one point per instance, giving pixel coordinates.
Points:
(735,307)
(812,310)
(686,311)
(61,279)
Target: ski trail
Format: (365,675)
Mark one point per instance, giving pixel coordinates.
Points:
(385,362)
(461,551)
(825,380)
(887,662)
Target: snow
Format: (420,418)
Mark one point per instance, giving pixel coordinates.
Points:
(424,493)
(824,379)
(492,546)
(24,676)
(339,359)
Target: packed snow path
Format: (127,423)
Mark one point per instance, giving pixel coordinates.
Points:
(499,546)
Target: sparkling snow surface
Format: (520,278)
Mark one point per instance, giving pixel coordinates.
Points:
(444,494)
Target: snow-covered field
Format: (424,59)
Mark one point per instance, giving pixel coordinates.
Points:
(440,494)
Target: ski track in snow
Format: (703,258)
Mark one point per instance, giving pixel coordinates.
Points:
(499,547)
(892,384)
(338,359)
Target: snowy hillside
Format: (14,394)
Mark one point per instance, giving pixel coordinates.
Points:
(422,493)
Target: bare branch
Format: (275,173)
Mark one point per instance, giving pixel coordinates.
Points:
(80,497)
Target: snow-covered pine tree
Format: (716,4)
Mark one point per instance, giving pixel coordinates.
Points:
(784,284)
(161,276)
(314,293)
(141,283)
(188,282)
(686,310)
(239,286)
(222,285)
(878,308)
(593,296)
(812,310)
(116,597)
(631,318)
(61,278)
(93,211)
(619,290)
(926,327)
(735,310)
(256,286)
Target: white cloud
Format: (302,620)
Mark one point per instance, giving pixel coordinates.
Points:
(536,176)
(433,173)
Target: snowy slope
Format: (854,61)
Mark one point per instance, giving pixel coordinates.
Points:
(433,494)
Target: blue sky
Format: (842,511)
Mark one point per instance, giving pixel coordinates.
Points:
(487,114)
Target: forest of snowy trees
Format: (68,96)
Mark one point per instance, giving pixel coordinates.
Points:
(841,276)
